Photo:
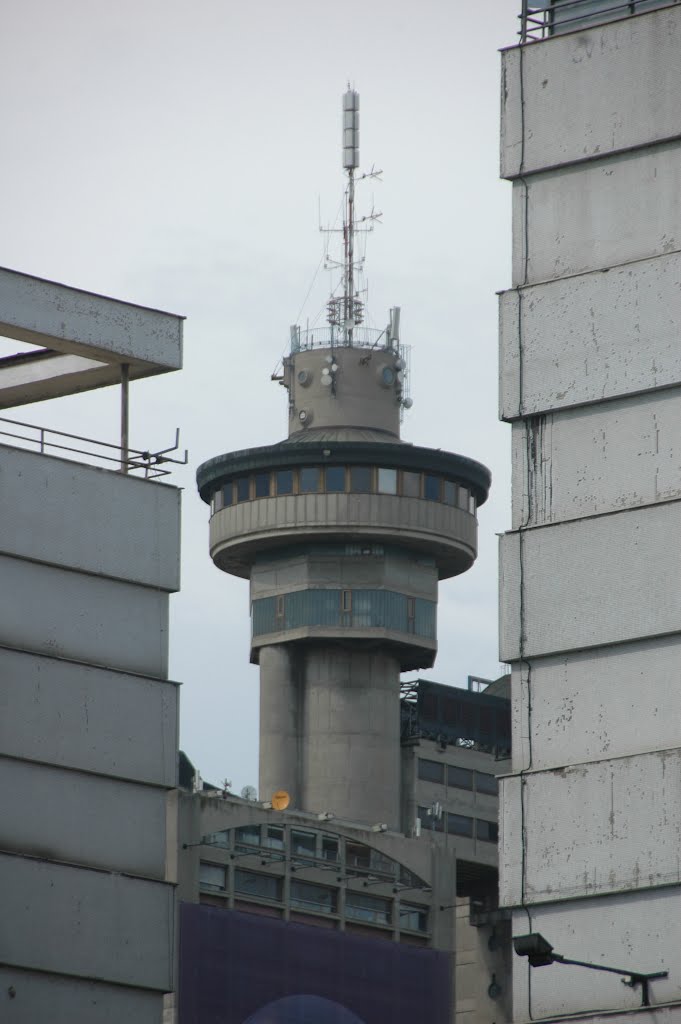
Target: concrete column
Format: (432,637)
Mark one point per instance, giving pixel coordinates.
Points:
(351,734)
(280,698)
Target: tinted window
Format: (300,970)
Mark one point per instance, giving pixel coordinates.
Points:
(360,478)
(211,876)
(274,837)
(262,485)
(217,501)
(471,504)
(303,842)
(249,834)
(267,886)
(487,830)
(485,783)
(414,919)
(227,493)
(329,848)
(431,488)
(307,896)
(449,492)
(387,481)
(309,480)
(363,907)
(411,485)
(335,478)
(284,481)
(431,771)
(462,501)
(243,487)
(458,825)
(462,778)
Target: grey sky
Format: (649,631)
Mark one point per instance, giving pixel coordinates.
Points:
(172,154)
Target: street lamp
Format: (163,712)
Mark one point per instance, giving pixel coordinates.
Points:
(539,953)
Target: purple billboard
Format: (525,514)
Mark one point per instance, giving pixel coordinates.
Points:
(238,968)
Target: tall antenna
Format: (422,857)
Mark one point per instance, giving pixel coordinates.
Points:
(350,163)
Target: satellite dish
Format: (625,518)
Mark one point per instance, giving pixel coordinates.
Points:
(280,800)
(407,403)
(249,793)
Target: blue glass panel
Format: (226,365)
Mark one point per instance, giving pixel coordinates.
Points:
(335,478)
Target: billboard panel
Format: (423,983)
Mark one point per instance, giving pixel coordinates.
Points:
(238,968)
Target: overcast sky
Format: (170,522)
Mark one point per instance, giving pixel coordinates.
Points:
(174,154)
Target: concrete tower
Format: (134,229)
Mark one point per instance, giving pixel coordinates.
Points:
(591,616)
(344,531)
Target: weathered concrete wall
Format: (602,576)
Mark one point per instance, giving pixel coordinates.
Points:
(109,722)
(80,517)
(40,998)
(571,100)
(600,703)
(100,925)
(603,580)
(589,338)
(591,828)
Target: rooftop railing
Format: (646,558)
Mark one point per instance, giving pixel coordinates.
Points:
(543,18)
(150,465)
(327,336)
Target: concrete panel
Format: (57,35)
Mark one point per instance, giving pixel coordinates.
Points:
(91,924)
(570,98)
(91,719)
(84,618)
(591,828)
(596,704)
(70,320)
(92,519)
(43,998)
(597,459)
(590,583)
(641,931)
(573,221)
(589,338)
(84,819)
(241,532)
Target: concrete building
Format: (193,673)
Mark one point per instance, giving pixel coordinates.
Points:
(88,716)
(431,886)
(344,532)
(590,614)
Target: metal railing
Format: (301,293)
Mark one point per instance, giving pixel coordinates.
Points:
(327,336)
(542,18)
(46,439)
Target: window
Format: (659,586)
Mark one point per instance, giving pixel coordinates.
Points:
(357,855)
(360,479)
(262,485)
(228,494)
(280,606)
(458,825)
(274,837)
(461,778)
(449,492)
(411,613)
(471,504)
(306,896)
(346,601)
(302,843)
(431,488)
(335,478)
(431,771)
(387,481)
(462,500)
(217,501)
(362,907)
(284,481)
(329,848)
(248,835)
(253,884)
(485,783)
(309,480)
(487,830)
(413,919)
(212,876)
(411,485)
(243,488)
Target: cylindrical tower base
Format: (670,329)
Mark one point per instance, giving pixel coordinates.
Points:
(330,730)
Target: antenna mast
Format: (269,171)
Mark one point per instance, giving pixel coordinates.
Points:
(350,163)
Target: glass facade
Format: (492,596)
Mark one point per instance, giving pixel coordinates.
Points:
(369,609)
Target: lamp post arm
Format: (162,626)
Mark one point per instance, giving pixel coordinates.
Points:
(635,977)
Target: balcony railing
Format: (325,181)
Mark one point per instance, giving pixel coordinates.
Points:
(46,440)
(543,18)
